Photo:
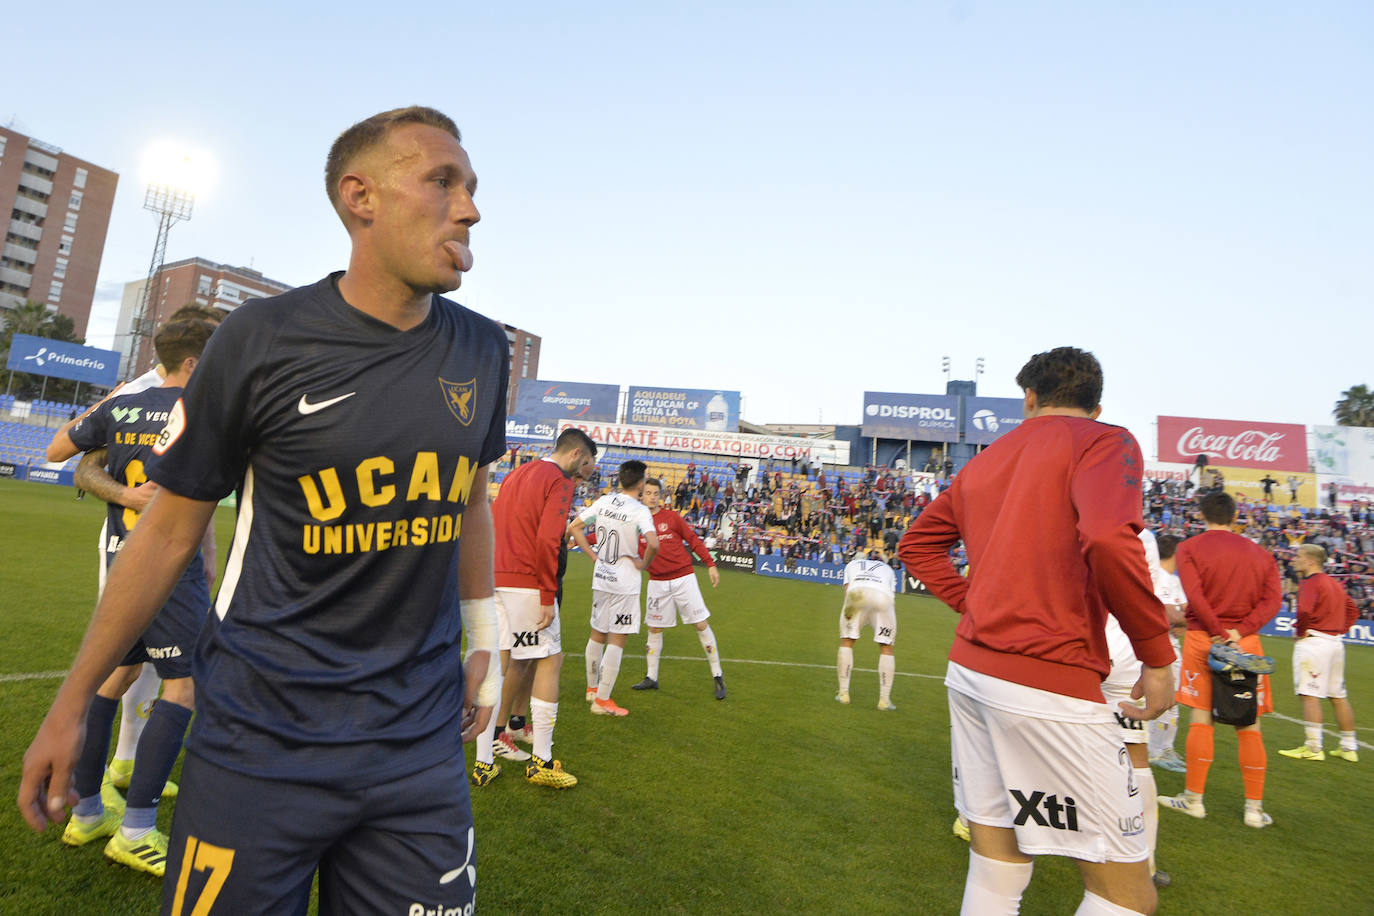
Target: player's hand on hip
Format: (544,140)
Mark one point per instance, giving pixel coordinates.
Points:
(137,498)
(546,615)
(714,575)
(1156,687)
(46,787)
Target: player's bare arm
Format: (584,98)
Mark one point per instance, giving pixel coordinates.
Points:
(1156,686)
(476,582)
(61,443)
(650,548)
(91,476)
(148,567)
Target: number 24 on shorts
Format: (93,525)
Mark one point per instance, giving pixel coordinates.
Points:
(199,856)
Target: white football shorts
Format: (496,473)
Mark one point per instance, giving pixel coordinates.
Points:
(1319,666)
(1065,788)
(613,612)
(668,599)
(518,613)
(869,607)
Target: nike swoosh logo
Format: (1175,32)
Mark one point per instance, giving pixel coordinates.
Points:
(306,408)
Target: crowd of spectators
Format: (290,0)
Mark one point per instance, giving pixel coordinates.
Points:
(822,514)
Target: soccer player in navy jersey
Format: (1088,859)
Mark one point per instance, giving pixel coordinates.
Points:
(125,427)
(356,419)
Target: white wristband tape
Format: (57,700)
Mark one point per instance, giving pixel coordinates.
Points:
(479,622)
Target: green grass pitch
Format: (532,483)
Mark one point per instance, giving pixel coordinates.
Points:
(777,800)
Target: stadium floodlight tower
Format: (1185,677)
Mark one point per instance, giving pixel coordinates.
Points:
(172,204)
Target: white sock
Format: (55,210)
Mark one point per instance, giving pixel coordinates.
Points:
(1348,742)
(708,645)
(1160,733)
(844,666)
(1254,804)
(1094,905)
(1149,799)
(655,654)
(133,713)
(887,669)
(1314,735)
(610,670)
(543,714)
(994,887)
(484,740)
(1170,720)
(594,652)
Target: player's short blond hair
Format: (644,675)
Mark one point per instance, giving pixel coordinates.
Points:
(1314,552)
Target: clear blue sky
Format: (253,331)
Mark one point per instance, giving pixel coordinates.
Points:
(799,200)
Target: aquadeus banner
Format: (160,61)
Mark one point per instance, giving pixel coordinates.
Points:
(57,358)
(921,417)
(683,408)
(1234,443)
(737,446)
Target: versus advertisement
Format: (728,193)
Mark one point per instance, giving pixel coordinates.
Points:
(728,559)
(544,400)
(987,419)
(924,417)
(1234,443)
(683,408)
(41,356)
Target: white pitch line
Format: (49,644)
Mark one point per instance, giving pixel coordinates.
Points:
(54,675)
(32,676)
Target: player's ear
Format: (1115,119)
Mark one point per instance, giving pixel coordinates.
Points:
(357,198)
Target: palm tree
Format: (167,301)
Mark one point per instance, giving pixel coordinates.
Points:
(34,319)
(1356,407)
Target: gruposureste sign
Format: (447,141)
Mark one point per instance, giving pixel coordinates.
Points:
(1234,443)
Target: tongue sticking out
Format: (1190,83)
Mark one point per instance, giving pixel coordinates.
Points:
(461,254)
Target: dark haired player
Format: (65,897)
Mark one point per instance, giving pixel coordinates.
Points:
(356,418)
(126,427)
(92,477)
(1233,589)
(618,520)
(1039,766)
(673,590)
(531,520)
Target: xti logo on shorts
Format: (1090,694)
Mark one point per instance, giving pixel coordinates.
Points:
(1126,721)
(525,639)
(884,632)
(1058,816)
(622,620)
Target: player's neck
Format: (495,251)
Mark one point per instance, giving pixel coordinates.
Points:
(385,298)
(1212,527)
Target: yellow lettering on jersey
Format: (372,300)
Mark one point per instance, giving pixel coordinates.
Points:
(424,477)
(377,536)
(311,537)
(398,535)
(463,476)
(419,532)
(133,476)
(202,856)
(332,491)
(383,535)
(364,536)
(443,531)
(367,489)
(333,539)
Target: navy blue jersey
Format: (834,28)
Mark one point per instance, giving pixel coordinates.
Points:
(128,426)
(333,653)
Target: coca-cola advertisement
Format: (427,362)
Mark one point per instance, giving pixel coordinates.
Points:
(1234,443)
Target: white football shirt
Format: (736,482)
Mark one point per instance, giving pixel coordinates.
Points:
(617,520)
(862,572)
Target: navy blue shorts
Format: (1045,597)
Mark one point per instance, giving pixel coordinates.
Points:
(241,844)
(170,639)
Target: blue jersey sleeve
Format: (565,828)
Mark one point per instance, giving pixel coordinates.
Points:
(93,431)
(494,446)
(208,440)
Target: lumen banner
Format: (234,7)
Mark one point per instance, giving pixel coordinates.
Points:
(683,408)
(1234,443)
(541,399)
(57,358)
(988,419)
(921,417)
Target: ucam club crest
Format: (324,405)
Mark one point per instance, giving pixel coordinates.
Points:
(461,398)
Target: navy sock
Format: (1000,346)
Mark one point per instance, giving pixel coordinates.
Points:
(517,723)
(90,766)
(157,752)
